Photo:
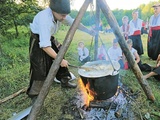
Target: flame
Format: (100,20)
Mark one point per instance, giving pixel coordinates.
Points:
(88,94)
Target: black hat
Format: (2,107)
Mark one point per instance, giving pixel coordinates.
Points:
(60,6)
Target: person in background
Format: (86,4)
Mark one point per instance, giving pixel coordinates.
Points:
(143,67)
(135,26)
(102,55)
(83,53)
(155,72)
(153,46)
(44,47)
(101,26)
(133,53)
(125,27)
(144,28)
(115,53)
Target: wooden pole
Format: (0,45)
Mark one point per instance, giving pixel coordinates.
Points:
(13,95)
(97,30)
(135,68)
(55,66)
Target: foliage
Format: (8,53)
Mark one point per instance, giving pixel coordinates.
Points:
(88,18)
(13,14)
(145,11)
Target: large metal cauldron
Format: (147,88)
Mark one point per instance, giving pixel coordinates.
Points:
(102,78)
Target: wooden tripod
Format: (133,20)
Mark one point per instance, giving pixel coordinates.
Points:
(101,4)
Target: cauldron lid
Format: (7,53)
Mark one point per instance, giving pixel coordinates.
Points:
(100,68)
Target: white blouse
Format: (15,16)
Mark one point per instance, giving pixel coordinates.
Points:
(154,21)
(45,25)
(83,53)
(135,26)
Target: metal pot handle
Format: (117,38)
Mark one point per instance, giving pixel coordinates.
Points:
(115,72)
(107,55)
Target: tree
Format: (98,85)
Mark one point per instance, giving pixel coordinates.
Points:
(147,10)
(13,14)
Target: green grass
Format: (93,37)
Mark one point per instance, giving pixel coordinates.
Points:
(14,75)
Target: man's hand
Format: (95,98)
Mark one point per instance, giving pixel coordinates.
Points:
(64,63)
(158,64)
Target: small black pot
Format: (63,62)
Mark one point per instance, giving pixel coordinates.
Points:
(103,87)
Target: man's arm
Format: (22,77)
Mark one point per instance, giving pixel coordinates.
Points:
(53,54)
(158,61)
(69,20)
(136,57)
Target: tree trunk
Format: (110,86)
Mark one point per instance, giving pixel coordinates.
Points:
(97,30)
(16,28)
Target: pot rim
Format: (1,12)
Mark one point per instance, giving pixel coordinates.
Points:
(101,73)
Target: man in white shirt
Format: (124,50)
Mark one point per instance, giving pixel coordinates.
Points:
(135,26)
(115,53)
(44,47)
(153,46)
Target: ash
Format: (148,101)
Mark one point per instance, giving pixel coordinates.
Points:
(119,107)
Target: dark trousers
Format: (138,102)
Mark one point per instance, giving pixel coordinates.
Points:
(40,63)
(143,66)
(85,60)
(153,45)
(137,43)
(157,70)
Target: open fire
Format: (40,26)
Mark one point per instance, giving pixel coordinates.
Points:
(88,95)
(86,92)
(117,107)
(101,95)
